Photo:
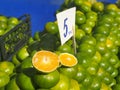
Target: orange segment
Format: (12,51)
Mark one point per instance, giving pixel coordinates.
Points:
(67,59)
(45,61)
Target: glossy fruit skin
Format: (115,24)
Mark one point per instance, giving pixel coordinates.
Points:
(92,16)
(65,48)
(100,37)
(85,8)
(70,72)
(107,79)
(4,79)
(86,28)
(101,47)
(13,20)
(2,32)
(90,22)
(63,84)
(23,81)
(80,18)
(78,2)
(51,27)
(83,59)
(111,7)
(79,34)
(3,19)
(98,6)
(7,67)
(12,85)
(3,25)
(104,64)
(87,81)
(88,39)
(114,73)
(81,73)
(27,63)
(15,61)
(114,60)
(74,85)
(22,53)
(92,69)
(47,80)
(102,30)
(26,66)
(96,84)
(87,49)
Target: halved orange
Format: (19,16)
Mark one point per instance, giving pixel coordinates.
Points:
(67,59)
(45,61)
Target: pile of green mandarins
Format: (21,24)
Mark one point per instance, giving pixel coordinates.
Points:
(97,35)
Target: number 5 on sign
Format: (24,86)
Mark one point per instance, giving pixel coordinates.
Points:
(66,24)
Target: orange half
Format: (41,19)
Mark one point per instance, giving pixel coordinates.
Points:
(45,61)
(67,59)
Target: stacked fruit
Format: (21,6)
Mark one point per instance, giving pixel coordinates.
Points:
(6,71)
(43,70)
(97,37)
(7,23)
(43,64)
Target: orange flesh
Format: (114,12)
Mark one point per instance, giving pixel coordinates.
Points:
(45,61)
(67,59)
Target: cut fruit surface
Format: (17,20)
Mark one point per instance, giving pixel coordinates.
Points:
(45,61)
(67,59)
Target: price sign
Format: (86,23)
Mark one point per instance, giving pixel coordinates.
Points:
(66,24)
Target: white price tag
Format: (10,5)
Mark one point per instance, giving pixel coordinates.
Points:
(66,24)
